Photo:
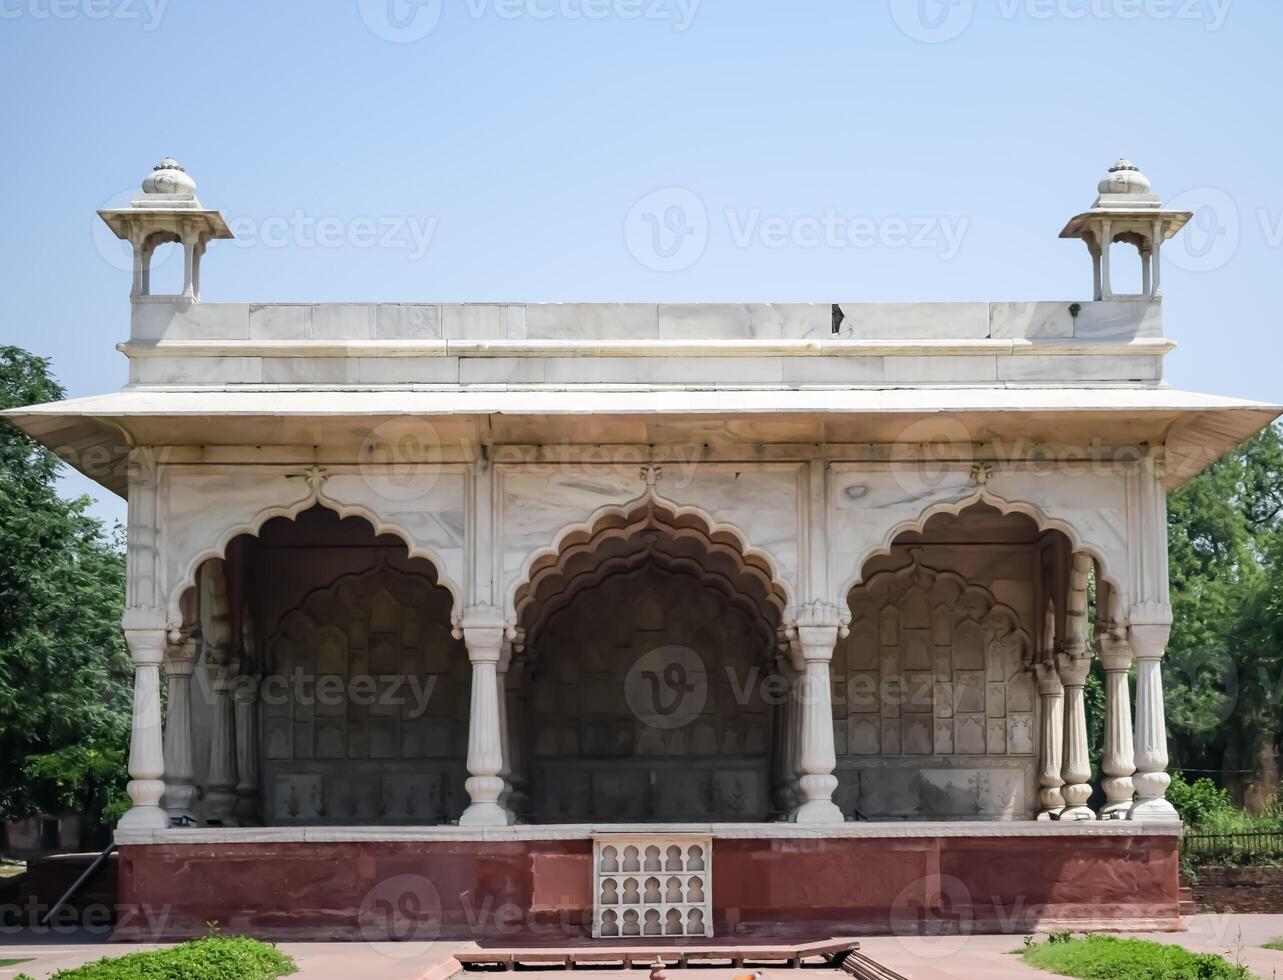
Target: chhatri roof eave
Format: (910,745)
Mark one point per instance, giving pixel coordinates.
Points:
(607,399)
(94,434)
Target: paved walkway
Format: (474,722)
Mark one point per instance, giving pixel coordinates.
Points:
(981,957)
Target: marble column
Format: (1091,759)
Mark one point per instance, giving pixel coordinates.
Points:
(1051,698)
(505,743)
(1076,765)
(816,756)
(180,765)
(785,770)
(518,748)
(245,706)
(221,778)
(1119,759)
(146,746)
(483,633)
(1149,643)
(1074,664)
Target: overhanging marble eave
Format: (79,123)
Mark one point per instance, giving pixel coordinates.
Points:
(1195,428)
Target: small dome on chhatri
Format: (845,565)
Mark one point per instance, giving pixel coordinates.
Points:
(1124,177)
(167,177)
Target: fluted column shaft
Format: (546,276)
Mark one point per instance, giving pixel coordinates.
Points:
(1119,759)
(146,747)
(816,756)
(484,636)
(1075,769)
(1149,643)
(245,701)
(1051,697)
(180,765)
(221,778)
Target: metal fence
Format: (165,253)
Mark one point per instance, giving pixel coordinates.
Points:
(1247,848)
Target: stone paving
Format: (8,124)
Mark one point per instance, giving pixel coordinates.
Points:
(942,958)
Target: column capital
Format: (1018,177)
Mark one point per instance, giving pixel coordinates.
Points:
(1049,683)
(1115,648)
(1073,669)
(485,633)
(1149,640)
(146,645)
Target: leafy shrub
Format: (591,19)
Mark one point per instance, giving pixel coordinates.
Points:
(1199,801)
(202,959)
(1111,958)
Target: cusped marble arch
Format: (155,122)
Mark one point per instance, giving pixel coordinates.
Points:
(549,572)
(291,512)
(1044,522)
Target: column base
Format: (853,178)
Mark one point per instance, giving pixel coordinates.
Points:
(1052,814)
(1076,813)
(1157,809)
(485,815)
(150,817)
(819,812)
(1116,811)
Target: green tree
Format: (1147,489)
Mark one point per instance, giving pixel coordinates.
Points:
(64,672)
(1223,672)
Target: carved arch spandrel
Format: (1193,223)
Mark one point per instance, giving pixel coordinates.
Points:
(229,526)
(1111,562)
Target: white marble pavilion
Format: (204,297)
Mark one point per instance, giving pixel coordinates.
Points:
(754,576)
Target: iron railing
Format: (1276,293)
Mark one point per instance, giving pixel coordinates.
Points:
(1256,847)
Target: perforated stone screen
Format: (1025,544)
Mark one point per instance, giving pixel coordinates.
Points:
(652,886)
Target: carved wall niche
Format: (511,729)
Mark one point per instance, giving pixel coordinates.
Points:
(364,707)
(649,704)
(940,703)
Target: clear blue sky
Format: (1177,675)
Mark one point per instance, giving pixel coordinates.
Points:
(516,138)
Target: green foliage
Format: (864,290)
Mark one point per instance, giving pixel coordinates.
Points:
(1196,802)
(1111,958)
(1223,675)
(202,959)
(65,678)
(1275,943)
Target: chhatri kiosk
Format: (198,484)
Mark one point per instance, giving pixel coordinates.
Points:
(603,622)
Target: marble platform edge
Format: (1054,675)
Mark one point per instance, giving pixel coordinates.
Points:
(719,831)
(882,347)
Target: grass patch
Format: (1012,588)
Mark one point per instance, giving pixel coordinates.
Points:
(215,958)
(14,962)
(1111,958)
(1275,943)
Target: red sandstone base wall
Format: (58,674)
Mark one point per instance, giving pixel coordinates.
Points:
(541,891)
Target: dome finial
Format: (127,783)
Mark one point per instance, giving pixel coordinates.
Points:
(170,179)
(1124,177)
